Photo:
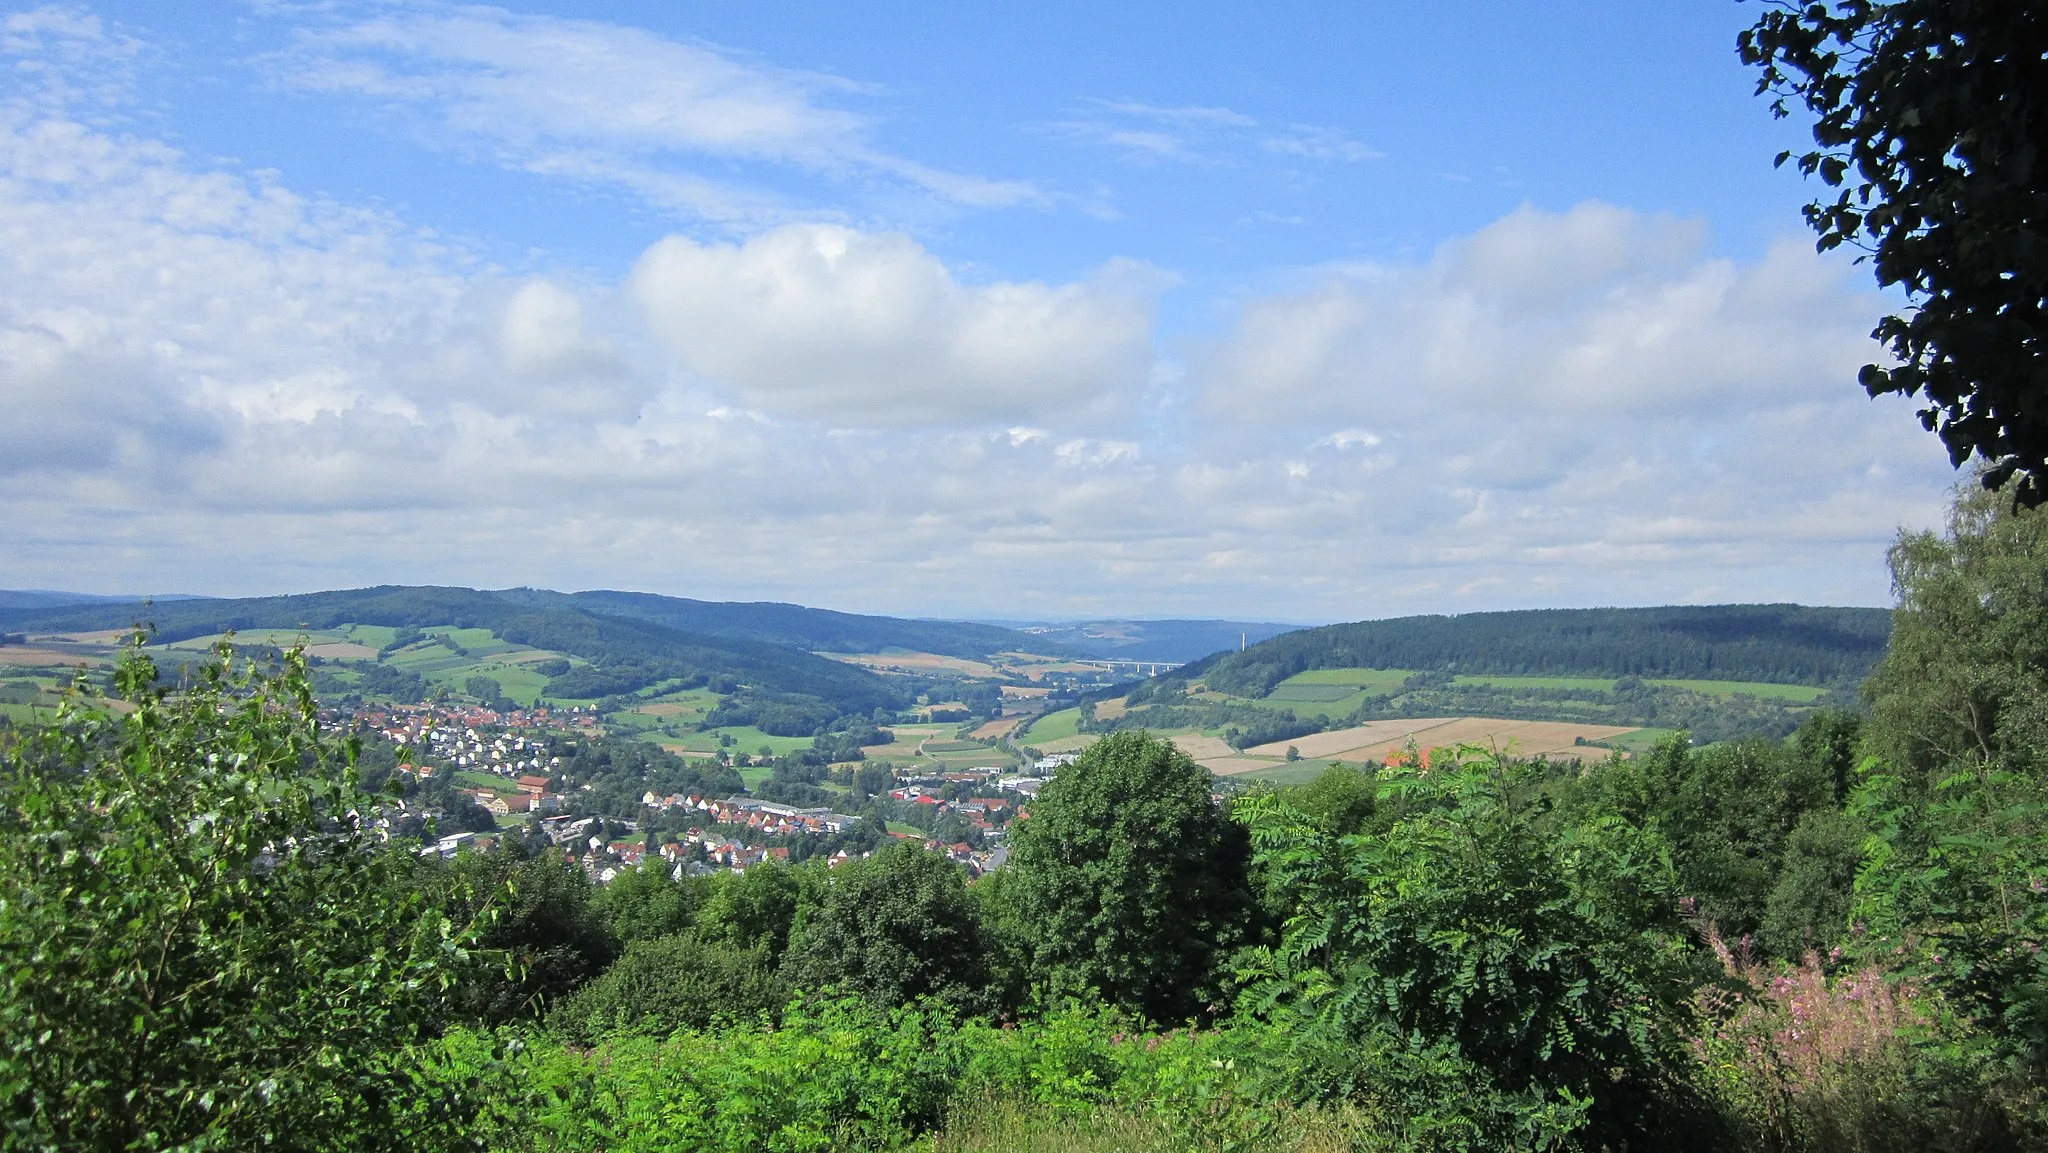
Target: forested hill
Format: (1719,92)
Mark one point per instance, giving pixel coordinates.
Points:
(1789,644)
(626,654)
(814,630)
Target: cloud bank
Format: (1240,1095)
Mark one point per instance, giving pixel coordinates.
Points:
(215,382)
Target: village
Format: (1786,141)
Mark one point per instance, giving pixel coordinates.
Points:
(520,747)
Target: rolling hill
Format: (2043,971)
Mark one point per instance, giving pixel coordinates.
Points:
(1781,643)
(813,630)
(623,655)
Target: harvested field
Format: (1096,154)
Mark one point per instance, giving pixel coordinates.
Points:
(915,662)
(1379,739)
(1232,766)
(1110,710)
(1203,748)
(997,730)
(1344,741)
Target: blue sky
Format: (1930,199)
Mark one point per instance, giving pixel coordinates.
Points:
(1302,313)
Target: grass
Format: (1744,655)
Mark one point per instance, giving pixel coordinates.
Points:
(1593,684)
(375,636)
(1792,694)
(1374,681)
(1796,694)
(746,739)
(1054,726)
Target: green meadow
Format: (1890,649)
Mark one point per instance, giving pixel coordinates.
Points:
(1054,726)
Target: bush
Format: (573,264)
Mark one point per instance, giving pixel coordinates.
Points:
(1463,943)
(205,946)
(665,984)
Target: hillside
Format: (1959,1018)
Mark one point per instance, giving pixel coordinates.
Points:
(813,630)
(30,599)
(1781,644)
(621,655)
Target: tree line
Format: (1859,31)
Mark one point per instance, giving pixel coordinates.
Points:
(1789,644)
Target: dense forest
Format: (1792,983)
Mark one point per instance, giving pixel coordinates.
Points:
(1792,644)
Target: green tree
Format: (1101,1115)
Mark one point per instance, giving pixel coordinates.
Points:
(643,903)
(895,927)
(1548,961)
(1955,879)
(662,984)
(1928,118)
(761,907)
(1966,677)
(206,945)
(550,931)
(1131,880)
(483,689)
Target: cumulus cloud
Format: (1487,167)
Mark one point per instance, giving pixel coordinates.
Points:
(606,103)
(1585,387)
(826,322)
(216,382)
(1591,312)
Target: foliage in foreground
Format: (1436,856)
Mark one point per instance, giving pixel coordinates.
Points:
(204,947)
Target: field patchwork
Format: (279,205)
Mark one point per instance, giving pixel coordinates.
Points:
(1378,740)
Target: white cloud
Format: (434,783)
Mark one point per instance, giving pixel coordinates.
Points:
(1313,142)
(824,322)
(1195,134)
(213,382)
(1592,313)
(611,104)
(1585,393)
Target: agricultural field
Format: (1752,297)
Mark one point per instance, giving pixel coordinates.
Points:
(1375,681)
(1794,694)
(1061,725)
(1285,773)
(906,661)
(745,739)
(483,655)
(998,729)
(1377,740)
(1791,694)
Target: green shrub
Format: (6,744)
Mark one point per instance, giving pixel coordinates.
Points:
(1464,945)
(206,946)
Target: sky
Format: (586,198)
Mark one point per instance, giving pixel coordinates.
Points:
(1283,312)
